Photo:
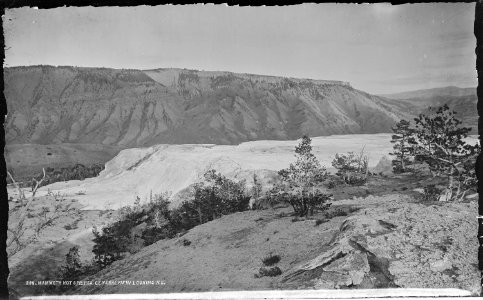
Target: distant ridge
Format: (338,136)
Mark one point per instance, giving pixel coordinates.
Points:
(448,91)
(203,73)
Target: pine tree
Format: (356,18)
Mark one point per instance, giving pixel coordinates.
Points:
(300,180)
(73,267)
(352,168)
(257,187)
(440,143)
(404,144)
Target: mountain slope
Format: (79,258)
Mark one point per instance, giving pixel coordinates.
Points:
(449,91)
(461,100)
(138,108)
(390,242)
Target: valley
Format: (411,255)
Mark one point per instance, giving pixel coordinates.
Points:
(159,131)
(198,151)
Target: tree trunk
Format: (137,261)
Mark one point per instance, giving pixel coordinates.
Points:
(403,166)
(200,216)
(451,171)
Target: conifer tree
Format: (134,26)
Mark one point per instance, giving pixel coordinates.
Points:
(300,181)
(440,143)
(257,187)
(404,144)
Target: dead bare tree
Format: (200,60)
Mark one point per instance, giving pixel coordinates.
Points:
(19,230)
(21,194)
(47,217)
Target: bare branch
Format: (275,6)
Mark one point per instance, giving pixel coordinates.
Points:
(18,230)
(21,194)
(34,191)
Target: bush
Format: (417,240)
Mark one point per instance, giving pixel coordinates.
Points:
(271,260)
(216,197)
(118,238)
(431,192)
(404,146)
(355,178)
(320,221)
(153,221)
(72,270)
(467,177)
(336,213)
(352,168)
(266,201)
(73,266)
(300,182)
(75,172)
(340,212)
(441,145)
(271,272)
(334,181)
(304,203)
(71,226)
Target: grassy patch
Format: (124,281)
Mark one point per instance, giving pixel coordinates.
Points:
(271,260)
(270,272)
(320,221)
(297,219)
(72,226)
(340,212)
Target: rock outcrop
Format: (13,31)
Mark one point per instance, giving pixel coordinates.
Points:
(396,243)
(391,242)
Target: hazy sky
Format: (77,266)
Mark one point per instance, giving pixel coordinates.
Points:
(379,48)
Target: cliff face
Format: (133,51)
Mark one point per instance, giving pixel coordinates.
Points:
(137,108)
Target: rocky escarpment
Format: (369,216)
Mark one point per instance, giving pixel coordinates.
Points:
(136,108)
(397,244)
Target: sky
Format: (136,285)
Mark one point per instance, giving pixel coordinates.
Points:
(378,48)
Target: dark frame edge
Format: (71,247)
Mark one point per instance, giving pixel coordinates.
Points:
(479,163)
(4,271)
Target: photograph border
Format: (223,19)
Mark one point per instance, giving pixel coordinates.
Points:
(4,206)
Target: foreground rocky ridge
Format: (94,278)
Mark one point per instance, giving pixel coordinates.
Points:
(391,241)
(136,108)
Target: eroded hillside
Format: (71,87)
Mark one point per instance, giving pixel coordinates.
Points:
(135,108)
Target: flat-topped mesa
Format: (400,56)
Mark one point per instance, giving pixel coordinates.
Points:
(165,76)
(334,82)
(170,76)
(130,108)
